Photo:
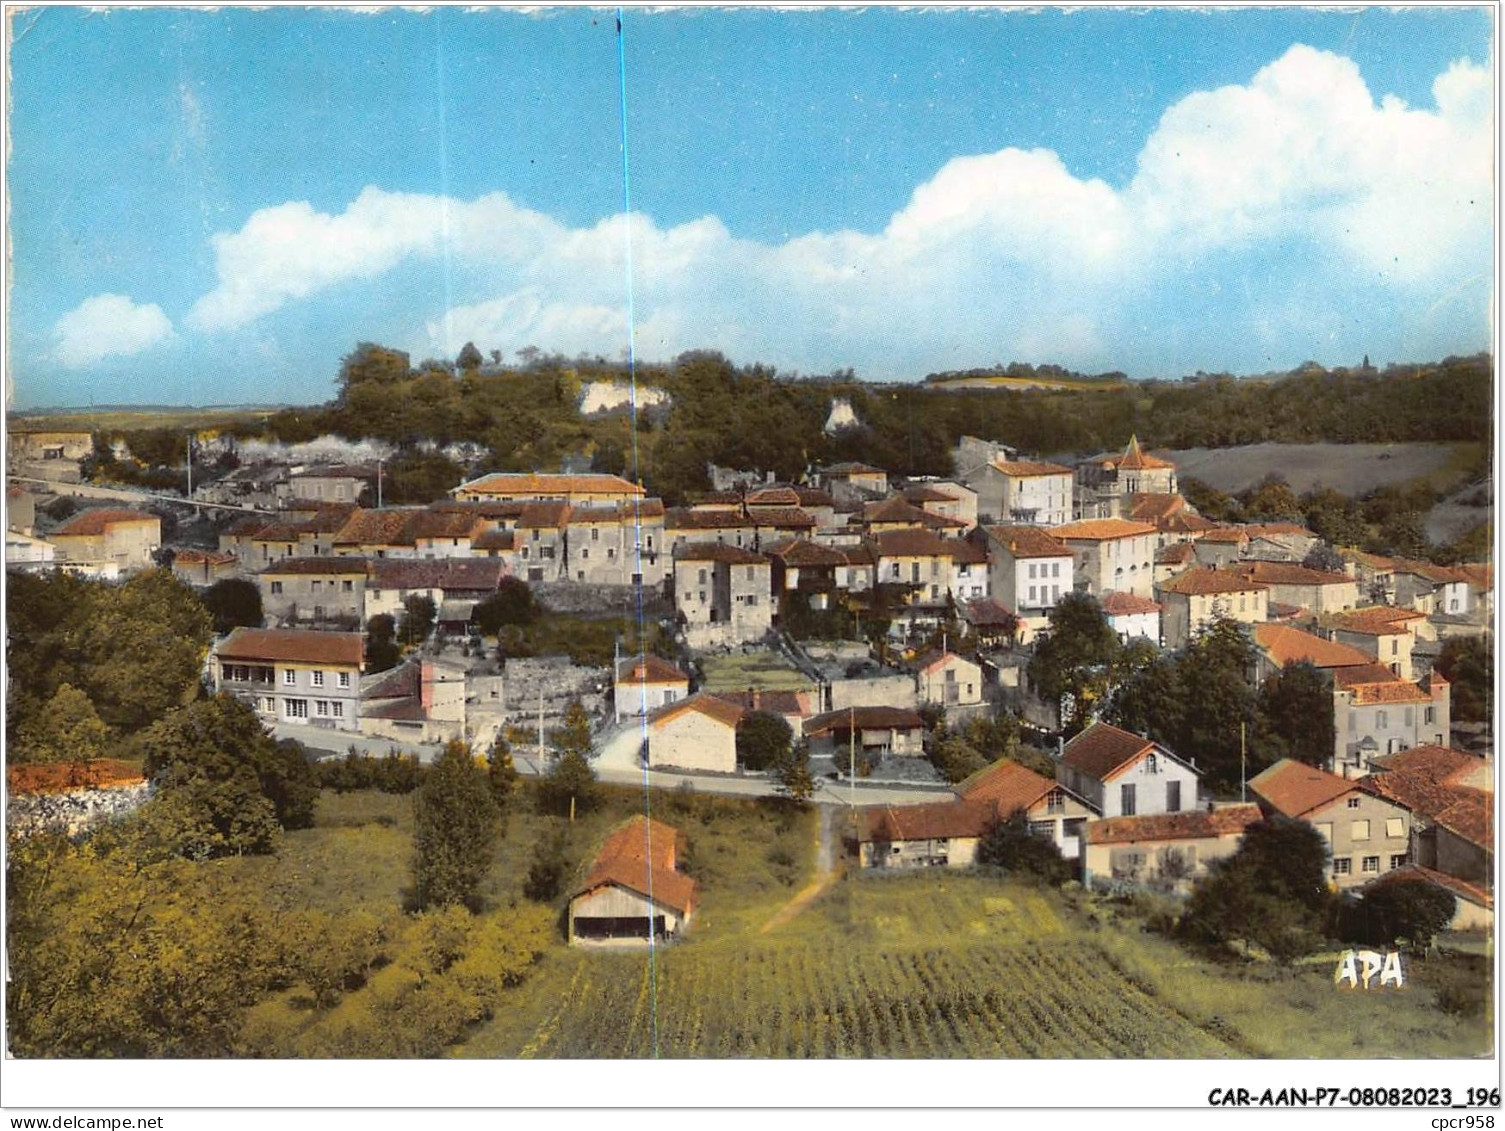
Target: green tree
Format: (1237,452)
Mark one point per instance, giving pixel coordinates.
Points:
(956,758)
(1414,909)
(206,761)
(469,358)
(501,771)
(791,773)
(1074,662)
(1272,892)
(1324,557)
(548,867)
(570,782)
(288,781)
(1296,708)
(1272,499)
(66,729)
(512,603)
(1009,844)
(763,739)
(419,477)
(418,616)
(1468,663)
(1215,671)
(455,825)
(233,602)
(382,652)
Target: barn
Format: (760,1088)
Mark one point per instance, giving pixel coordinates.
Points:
(633,895)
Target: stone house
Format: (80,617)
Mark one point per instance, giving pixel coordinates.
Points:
(1190,602)
(1053,810)
(645,683)
(528,487)
(1167,851)
(876,731)
(942,498)
(1366,834)
(1132,617)
(421,700)
(723,594)
(331,483)
(1450,794)
(127,538)
(204,567)
(1222,547)
(293,675)
(918,561)
(1385,633)
(1376,712)
(698,733)
(1104,483)
(315,590)
(1289,583)
(1120,774)
(941,834)
(853,481)
(970,580)
(390,582)
(944,679)
(1112,555)
(1281,644)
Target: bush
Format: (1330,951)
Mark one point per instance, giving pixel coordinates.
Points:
(1412,909)
(547,869)
(1009,844)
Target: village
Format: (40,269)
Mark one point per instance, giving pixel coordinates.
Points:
(869,619)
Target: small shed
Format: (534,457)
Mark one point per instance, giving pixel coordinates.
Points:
(634,894)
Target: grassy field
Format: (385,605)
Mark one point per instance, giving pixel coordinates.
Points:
(1007,384)
(920,965)
(1350,468)
(764,669)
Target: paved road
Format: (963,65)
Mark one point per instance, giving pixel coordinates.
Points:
(616,764)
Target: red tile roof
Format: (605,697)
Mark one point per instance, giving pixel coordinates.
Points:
(988,612)
(911,544)
(649,669)
(547,486)
(1028,542)
(96,522)
(964,551)
(641,856)
(1194,824)
(1102,750)
(938,820)
(445,524)
(474,575)
(1288,573)
(1296,789)
(1373,620)
(1007,786)
(802,554)
(319,564)
(1440,763)
(773,497)
(1284,645)
(865,718)
(922,494)
(717,552)
(775,702)
(1375,683)
(494,540)
(683,518)
(706,704)
(1101,530)
(1199,582)
(1153,507)
(1134,459)
(296,645)
(386,527)
(203,557)
(1178,553)
(550,515)
(1117,604)
(1230,534)
(1029,469)
(1184,522)
(787,518)
(894,510)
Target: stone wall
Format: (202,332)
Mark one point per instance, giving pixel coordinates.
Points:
(72,811)
(574,597)
(877,691)
(517,689)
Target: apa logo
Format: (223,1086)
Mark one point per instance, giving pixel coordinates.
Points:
(1358,967)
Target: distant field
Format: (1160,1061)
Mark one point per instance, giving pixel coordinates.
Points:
(764,670)
(1019,383)
(1350,468)
(127,420)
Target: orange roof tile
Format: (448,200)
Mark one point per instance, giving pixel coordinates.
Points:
(1100,530)
(1178,553)
(1154,507)
(1229,534)
(297,645)
(706,704)
(938,820)
(1373,620)
(641,856)
(1135,459)
(717,552)
(803,554)
(546,486)
(1102,749)
(1029,469)
(386,527)
(649,669)
(911,544)
(865,718)
(60,777)
(1199,582)
(1439,763)
(1117,604)
(94,522)
(1193,824)
(1286,645)
(1028,542)
(1296,789)
(1007,785)
(1289,573)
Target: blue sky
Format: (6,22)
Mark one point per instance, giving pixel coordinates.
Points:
(210,207)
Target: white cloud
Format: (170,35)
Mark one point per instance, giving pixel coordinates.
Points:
(996,256)
(107,326)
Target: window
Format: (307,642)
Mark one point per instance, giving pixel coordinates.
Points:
(1353,723)
(1395,647)
(344,679)
(318,678)
(611,553)
(1173,797)
(1371,864)
(1342,866)
(296,708)
(1126,800)
(1047,829)
(1032,571)
(348,586)
(1151,764)
(585,551)
(337,709)
(1410,717)
(702,577)
(1395,827)
(1055,569)
(752,572)
(1381,719)
(1055,802)
(595,534)
(1398,860)
(266,703)
(1359,830)
(1429,714)
(276,588)
(1353,802)
(580,575)
(316,585)
(1032,594)
(321,708)
(289,677)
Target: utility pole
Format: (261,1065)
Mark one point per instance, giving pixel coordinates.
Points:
(1243,767)
(190,465)
(378,484)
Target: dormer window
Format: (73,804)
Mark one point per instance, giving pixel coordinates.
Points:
(1151,764)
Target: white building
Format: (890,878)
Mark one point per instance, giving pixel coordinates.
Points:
(1112,555)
